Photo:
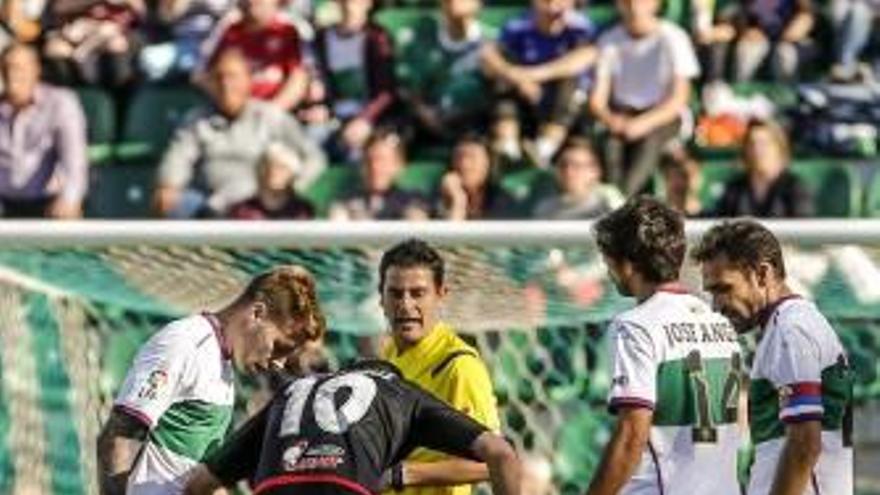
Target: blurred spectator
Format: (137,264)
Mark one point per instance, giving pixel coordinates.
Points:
(20,21)
(212,160)
(767,188)
(356,65)
(546,101)
(190,23)
(271,45)
(682,178)
(641,91)
(43,162)
(275,198)
(443,85)
(378,198)
(713,36)
(467,191)
(777,30)
(580,194)
(852,21)
(93,41)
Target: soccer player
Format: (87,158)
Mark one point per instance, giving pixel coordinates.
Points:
(429,353)
(676,366)
(176,402)
(801,383)
(338,433)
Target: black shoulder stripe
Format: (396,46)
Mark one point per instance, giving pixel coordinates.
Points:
(450,358)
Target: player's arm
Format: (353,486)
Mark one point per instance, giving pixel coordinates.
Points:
(624,452)
(236,460)
(632,398)
(440,427)
(470,391)
(793,365)
(803,444)
(119,444)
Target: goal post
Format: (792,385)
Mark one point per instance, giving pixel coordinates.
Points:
(78,298)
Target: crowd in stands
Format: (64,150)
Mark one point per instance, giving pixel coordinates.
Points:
(591,108)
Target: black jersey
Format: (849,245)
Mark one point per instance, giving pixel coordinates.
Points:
(337,433)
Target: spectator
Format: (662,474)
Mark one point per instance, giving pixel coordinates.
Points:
(190,23)
(93,41)
(581,195)
(852,22)
(356,62)
(275,198)
(271,45)
(43,162)
(20,21)
(443,85)
(766,188)
(682,178)
(528,90)
(379,198)
(467,191)
(641,91)
(713,36)
(212,159)
(777,30)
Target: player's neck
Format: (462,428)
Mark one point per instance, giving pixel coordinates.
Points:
(642,290)
(777,293)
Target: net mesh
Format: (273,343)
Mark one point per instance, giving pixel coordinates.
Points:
(72,319)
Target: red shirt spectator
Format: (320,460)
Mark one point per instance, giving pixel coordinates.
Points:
(272,51)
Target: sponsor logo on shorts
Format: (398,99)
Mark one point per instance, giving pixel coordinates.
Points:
(324,450)
(155,383)
(292,455)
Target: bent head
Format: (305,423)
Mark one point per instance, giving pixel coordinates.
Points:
(275,316)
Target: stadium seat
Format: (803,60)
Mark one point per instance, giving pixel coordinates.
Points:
(336,181)
(100,111)
(154,113)
(422,177)
(835,187)
(527,186)
(122,190)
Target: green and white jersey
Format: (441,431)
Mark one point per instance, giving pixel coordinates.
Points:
(181,386)
(801,373)
(674,355)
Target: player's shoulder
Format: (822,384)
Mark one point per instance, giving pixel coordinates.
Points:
(458,356)
(800,313)
(187,333)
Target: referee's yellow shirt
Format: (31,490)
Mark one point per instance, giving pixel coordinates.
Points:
(445,365)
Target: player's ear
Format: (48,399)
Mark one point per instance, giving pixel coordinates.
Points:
(259,311)
(763,273)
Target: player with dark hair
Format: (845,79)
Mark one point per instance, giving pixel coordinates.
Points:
(338,433)
(427,350)
(676,366)
(800,404)
(175,404)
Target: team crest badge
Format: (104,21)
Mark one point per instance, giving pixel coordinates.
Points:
(157,381)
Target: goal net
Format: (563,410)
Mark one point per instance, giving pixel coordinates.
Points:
(77,299)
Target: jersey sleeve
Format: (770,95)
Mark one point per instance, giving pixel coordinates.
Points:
(156,377)
(471,391)
(633,367)
(238,457)
(793,365)
(439,427)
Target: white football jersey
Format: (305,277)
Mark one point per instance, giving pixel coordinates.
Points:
(801,373)
(676,356)
(180,385)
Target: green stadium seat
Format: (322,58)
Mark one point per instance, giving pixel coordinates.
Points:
(422,177)
(100,110)
(336,181)
(123,190)
(154,113)
(527,186)
(835,186)
(872,197)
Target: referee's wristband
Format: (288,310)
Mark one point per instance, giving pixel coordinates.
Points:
(397,477)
